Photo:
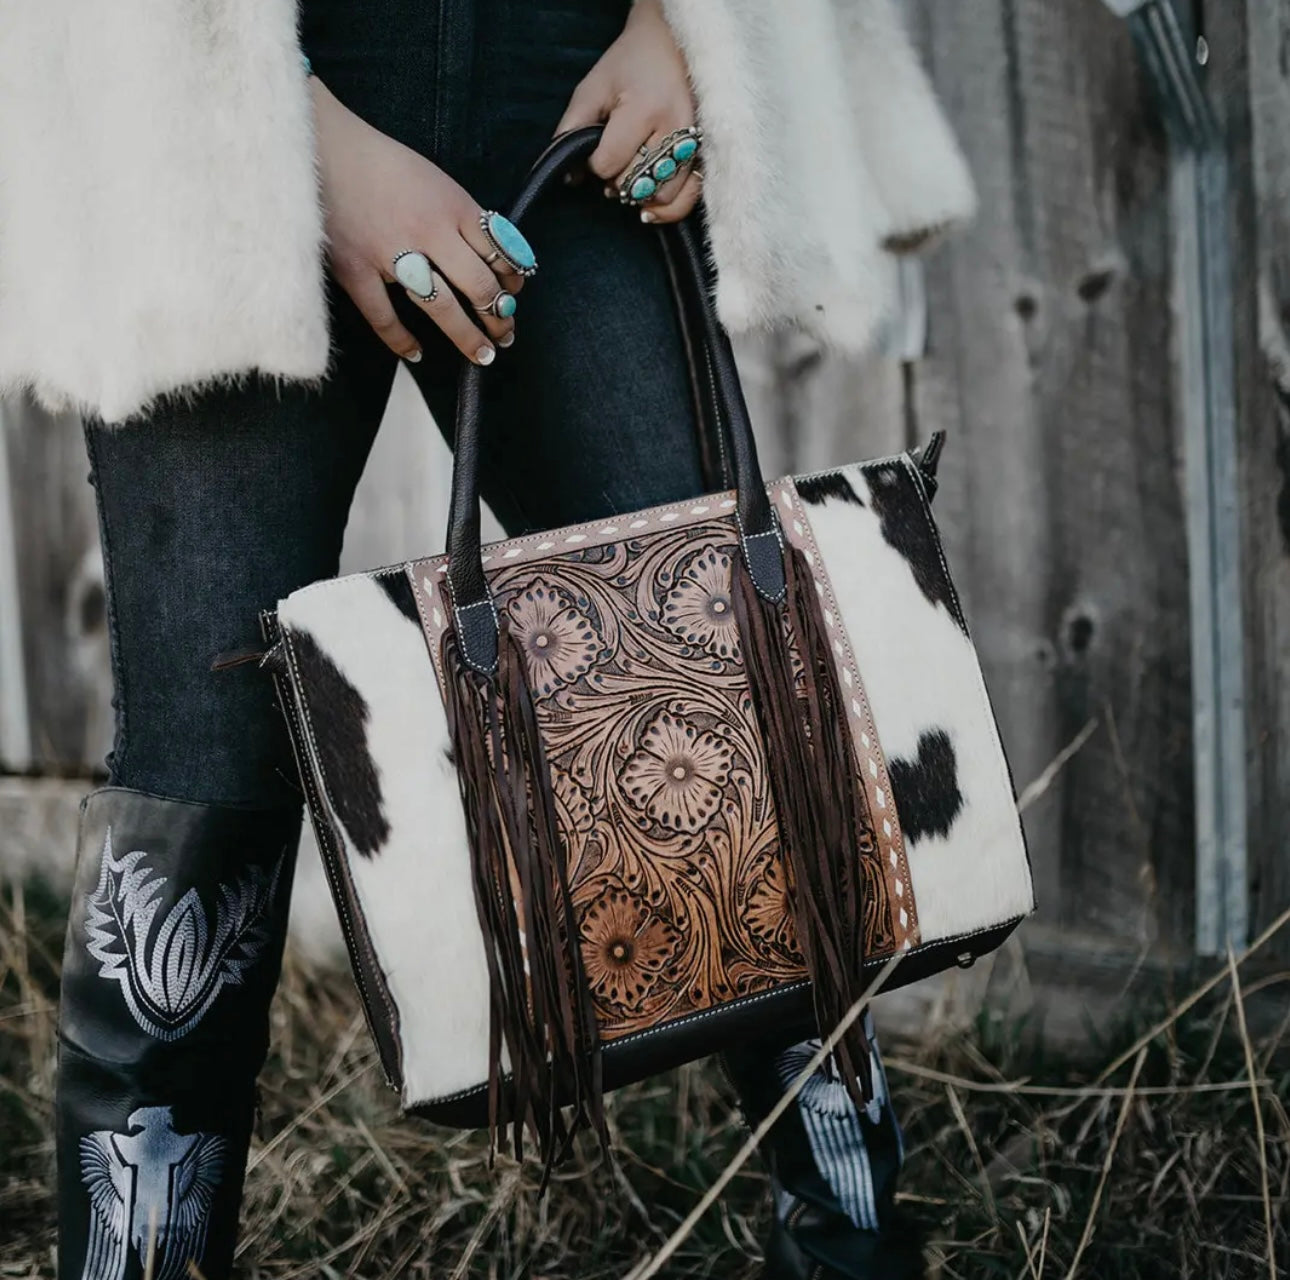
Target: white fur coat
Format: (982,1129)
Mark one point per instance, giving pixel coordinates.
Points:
(159,220)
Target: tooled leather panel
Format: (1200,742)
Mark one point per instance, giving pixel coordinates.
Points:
(656,760)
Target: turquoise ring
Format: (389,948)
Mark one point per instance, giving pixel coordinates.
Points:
(502,306)
(660,164)
(508,243)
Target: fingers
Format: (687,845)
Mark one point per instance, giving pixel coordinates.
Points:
(675,199)
(367,291)
(587,106)
(448,315)
(501,270)
(664,187)
(477,283)
(625,130)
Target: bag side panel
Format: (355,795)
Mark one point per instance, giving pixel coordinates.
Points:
(963,839)
(394,801)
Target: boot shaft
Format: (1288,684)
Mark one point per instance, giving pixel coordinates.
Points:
(174,947)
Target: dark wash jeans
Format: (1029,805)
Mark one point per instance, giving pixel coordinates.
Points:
(213,508)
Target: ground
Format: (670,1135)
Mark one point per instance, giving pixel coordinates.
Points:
(1149,1162)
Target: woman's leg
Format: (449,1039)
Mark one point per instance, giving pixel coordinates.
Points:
(210,511)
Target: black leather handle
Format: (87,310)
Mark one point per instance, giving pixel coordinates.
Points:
(759,534)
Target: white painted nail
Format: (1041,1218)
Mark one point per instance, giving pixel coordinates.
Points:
(507,341)
(413,357)
(646,216)
(485,355)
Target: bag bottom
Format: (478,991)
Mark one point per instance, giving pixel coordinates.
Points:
(776,1019)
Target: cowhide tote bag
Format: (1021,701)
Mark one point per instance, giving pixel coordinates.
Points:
(599,800)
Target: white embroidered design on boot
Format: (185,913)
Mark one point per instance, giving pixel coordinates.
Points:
(150,1191)
(171,970)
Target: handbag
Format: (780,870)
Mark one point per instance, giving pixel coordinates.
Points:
(597,801)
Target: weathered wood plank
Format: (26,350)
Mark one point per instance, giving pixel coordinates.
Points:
(61,601)
(1250,78)
(1051,367)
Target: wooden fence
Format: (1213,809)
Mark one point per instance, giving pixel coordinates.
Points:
(1054,333)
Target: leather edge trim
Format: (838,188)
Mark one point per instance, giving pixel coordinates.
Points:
(788,1012)
(367,970)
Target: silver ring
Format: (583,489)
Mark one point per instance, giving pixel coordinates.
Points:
(674,155)
(502,306)
(413,271)
(508,242)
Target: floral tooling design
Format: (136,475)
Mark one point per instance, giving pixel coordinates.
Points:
(558,641)
(625,947)
(677,775)
(659,775)
(769,912)
(699,608)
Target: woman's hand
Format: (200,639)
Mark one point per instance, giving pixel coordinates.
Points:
(641,91)
(381,198)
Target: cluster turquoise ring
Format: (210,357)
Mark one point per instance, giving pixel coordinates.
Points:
(660,164)
(413,271)
(502,306)
(508,243)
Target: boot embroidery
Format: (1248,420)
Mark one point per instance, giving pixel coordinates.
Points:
(150,1192)
(172,968)
(834,1131)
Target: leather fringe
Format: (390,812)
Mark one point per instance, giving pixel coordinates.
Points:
(540,1004)
(825,827)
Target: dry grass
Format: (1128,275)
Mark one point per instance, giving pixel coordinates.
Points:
(1020,1165)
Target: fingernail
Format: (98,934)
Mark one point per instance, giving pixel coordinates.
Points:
(609,191)
(646,216)
(413,357)
(507,341)
(485,355)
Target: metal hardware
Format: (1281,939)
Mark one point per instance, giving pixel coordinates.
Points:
(1203,282)
(965,960)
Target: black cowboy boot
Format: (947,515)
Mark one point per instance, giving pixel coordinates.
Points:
(833,1171)
(173,951)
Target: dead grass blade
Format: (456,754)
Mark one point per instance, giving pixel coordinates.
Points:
(1256,1101)
(1089,1223)
(1039,785)
(1194,998)
(987,1191)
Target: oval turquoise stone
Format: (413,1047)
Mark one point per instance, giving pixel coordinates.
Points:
(643,187)
(506,236)
(506,306)
(664,169)
(684,150)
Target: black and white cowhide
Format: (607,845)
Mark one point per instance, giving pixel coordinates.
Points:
(376,727)
(953,793)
